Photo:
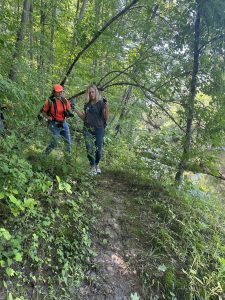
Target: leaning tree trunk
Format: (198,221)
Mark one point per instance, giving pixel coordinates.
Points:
(191,103)
(123,112)
(19,40)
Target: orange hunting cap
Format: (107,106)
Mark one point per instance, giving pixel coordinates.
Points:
(57,88)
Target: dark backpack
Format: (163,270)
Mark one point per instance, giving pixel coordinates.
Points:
(51,101)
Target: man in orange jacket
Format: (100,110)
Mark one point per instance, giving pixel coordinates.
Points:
(56,110)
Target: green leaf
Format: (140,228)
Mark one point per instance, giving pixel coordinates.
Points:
(2,195)
(35,237)
(5,168)
(193,272)
(9,261)
(5,234)
(61,187)
(5,285)
(2,263)
(14,191)
(68,188)
(46,223)
(10,272)
(222,261)
(10,297)
(105,241)
(19,256)
(58,179)
(16,202)
(30,203)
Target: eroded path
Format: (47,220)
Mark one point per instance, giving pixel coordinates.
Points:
(112,277)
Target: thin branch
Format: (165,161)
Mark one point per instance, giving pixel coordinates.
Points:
(211,41)
(102,88)
(123,83)
(106,85)
(107,74)
(77,95)
(170,25)
(144,90)
(166,110)
(118,74)
(171,78)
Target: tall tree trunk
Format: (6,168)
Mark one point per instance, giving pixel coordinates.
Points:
(42,38)
(82,10)
(77,8)
(78,18)
(31,23)
(19,40)
(95,59)
(52,36)
(191,103)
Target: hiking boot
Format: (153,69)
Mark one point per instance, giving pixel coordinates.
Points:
(93,171)
(98,170)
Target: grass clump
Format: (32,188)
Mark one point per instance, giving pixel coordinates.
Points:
(180,243)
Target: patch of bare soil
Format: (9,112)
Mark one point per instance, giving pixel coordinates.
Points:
(111,278)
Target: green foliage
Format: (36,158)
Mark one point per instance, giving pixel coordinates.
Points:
(180,243)
(44,235)
(43,200)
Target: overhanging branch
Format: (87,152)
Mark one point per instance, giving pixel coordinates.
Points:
(96,36)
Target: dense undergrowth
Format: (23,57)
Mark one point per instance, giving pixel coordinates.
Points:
(178,231)
(46,211)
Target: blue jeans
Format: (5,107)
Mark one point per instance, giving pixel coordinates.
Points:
(59,129)
(94,142)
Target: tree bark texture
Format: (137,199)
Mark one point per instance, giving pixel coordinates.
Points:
(31,25)
(42,37)
(123,112)
(191,104)
(19,40)
(52,37)
(82,10)
(79,16)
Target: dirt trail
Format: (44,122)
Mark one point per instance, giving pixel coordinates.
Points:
(113,279)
